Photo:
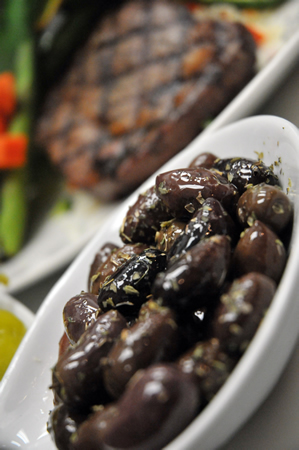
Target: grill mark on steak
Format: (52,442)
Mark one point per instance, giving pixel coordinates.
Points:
(139,91)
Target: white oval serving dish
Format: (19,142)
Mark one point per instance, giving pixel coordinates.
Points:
(25,397)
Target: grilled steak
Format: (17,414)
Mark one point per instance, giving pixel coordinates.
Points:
(141,88)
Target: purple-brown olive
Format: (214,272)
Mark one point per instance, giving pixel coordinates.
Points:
(130,285)
(204,159)
(78,313)
(116,259)
(195,276)
(210,365)
(243,172)
(241,310)
(184,190)
(157,405)
(168,234)
(260,250)
(210,219)
(100,258)
(152,339)
(78,374)
(63,344)
(62,424)
(143,218)
(266,203)
(193,325)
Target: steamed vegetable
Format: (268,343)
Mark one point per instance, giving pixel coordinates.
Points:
(16,81)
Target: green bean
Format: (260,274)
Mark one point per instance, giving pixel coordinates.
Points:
(13,212)
(16,39)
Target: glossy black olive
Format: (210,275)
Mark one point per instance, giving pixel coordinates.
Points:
(157,405)
(210,365)
(266,203)
(184,190)
(168,233)
(62,424)
(78,313)
(260,250)
(241,310)
(153,338)
(143,218)
(205,160)
(78,374)
(210,219)
(100,258)
(130,285)
(197,274)
(116,259)
(243,172)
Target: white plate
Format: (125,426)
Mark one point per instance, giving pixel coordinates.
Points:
(26,399)
(60,238)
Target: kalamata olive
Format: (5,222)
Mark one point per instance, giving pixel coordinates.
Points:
(100,257)
(62,424)
(77,375)
(269,204)
(195,275)
(241,310)
(193,326)
(204,159)
(210,219)
(184,190)
(168,233)
(157,405)
(143,218)
(113,262)
(242,172)
(130,285)
(210,364)
(64,344)
(150,340)
(78,313)
(260,250)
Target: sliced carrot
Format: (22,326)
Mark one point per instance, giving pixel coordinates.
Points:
(13,150)
(258,36)
(3,124)
(8,98)
(192,6)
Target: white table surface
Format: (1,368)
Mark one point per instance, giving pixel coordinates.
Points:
(275,425)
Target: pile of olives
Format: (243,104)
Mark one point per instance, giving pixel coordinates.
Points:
(168,314)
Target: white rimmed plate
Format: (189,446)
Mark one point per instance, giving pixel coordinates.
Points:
(60,238)
(25,397)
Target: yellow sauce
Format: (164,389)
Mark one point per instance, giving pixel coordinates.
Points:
(12,331)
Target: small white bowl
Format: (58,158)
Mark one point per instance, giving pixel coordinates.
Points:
(9,303)
(17,308)
(25,397)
